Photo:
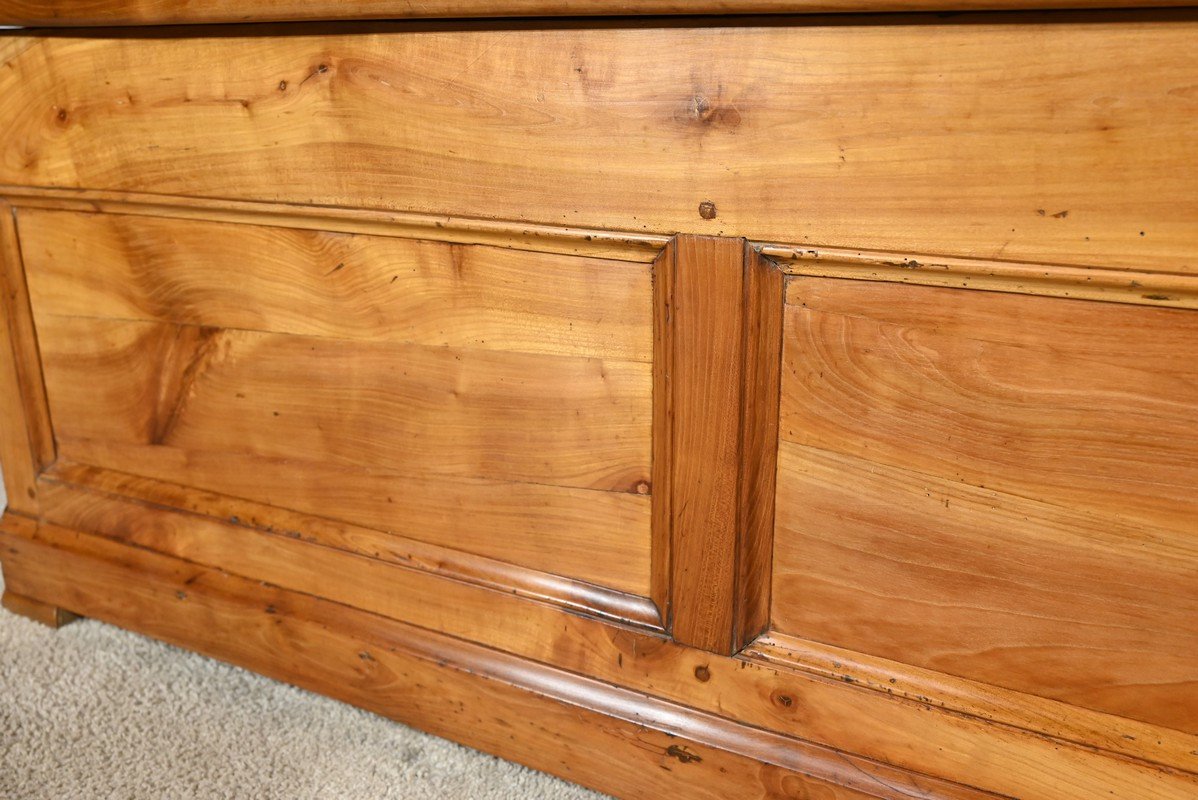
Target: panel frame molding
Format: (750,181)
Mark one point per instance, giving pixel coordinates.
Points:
(746,631)
(27,395)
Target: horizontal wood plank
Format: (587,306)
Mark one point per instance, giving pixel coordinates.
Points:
(810,132)
(992,587)
(176,12)
(335,284)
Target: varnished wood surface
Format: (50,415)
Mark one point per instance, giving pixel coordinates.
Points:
(367,336)
(108,588)
(538,238)
(1109,732)
(1094,281)
(1161,289)
(49,615)
(174,12)
(338,285)
(124,506)
(450,394)
(995,487)
(581,729)
(706,372)
(25,443)
(846,135)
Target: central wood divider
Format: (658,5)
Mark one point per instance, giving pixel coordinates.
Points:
(722,352)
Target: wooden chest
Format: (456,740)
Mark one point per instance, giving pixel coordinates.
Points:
(705,406)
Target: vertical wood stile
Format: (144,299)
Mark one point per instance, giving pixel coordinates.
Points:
(722,319)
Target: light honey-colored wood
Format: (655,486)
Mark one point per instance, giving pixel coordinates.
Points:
(901,731)
(1088,406)
(428,411)
(489,700)
(25,445)
(819,132)
(959,470)
(559,239)
(170,12)
(48,615)
(282,418)
(345,286)
(618,395)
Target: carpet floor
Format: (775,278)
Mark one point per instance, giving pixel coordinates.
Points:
(91,711)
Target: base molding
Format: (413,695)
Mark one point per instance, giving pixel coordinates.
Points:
(624,741)
(587,731)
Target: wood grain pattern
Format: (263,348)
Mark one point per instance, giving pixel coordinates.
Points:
(996,588)
(1161,289)
(26,443)
(49,615)
(1084,405)
(174,12)
(1108,732)
(996,488)
(706,377)
(90,498)
(638,247)
(764,297)
(337,285)
(507,444)
(722,351)
(1025,765)
(381,574)
(663,430)
(545,717)
(830,133)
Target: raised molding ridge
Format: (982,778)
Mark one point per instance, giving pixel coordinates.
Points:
(588,242)
(1164,289)
(370,661)
(1127,737)
(401,551)
(1140,287)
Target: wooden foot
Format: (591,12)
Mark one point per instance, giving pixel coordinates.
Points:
(36,610)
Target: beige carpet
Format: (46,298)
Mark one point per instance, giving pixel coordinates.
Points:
(93,712)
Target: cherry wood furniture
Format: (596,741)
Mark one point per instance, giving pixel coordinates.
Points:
(703,406)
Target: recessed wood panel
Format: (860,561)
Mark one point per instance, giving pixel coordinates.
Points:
(433,391)
(833,133)
(998,487)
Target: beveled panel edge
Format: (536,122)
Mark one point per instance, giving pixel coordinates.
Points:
(577,596)
(588,243)
(1159,289)
(1105,732)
